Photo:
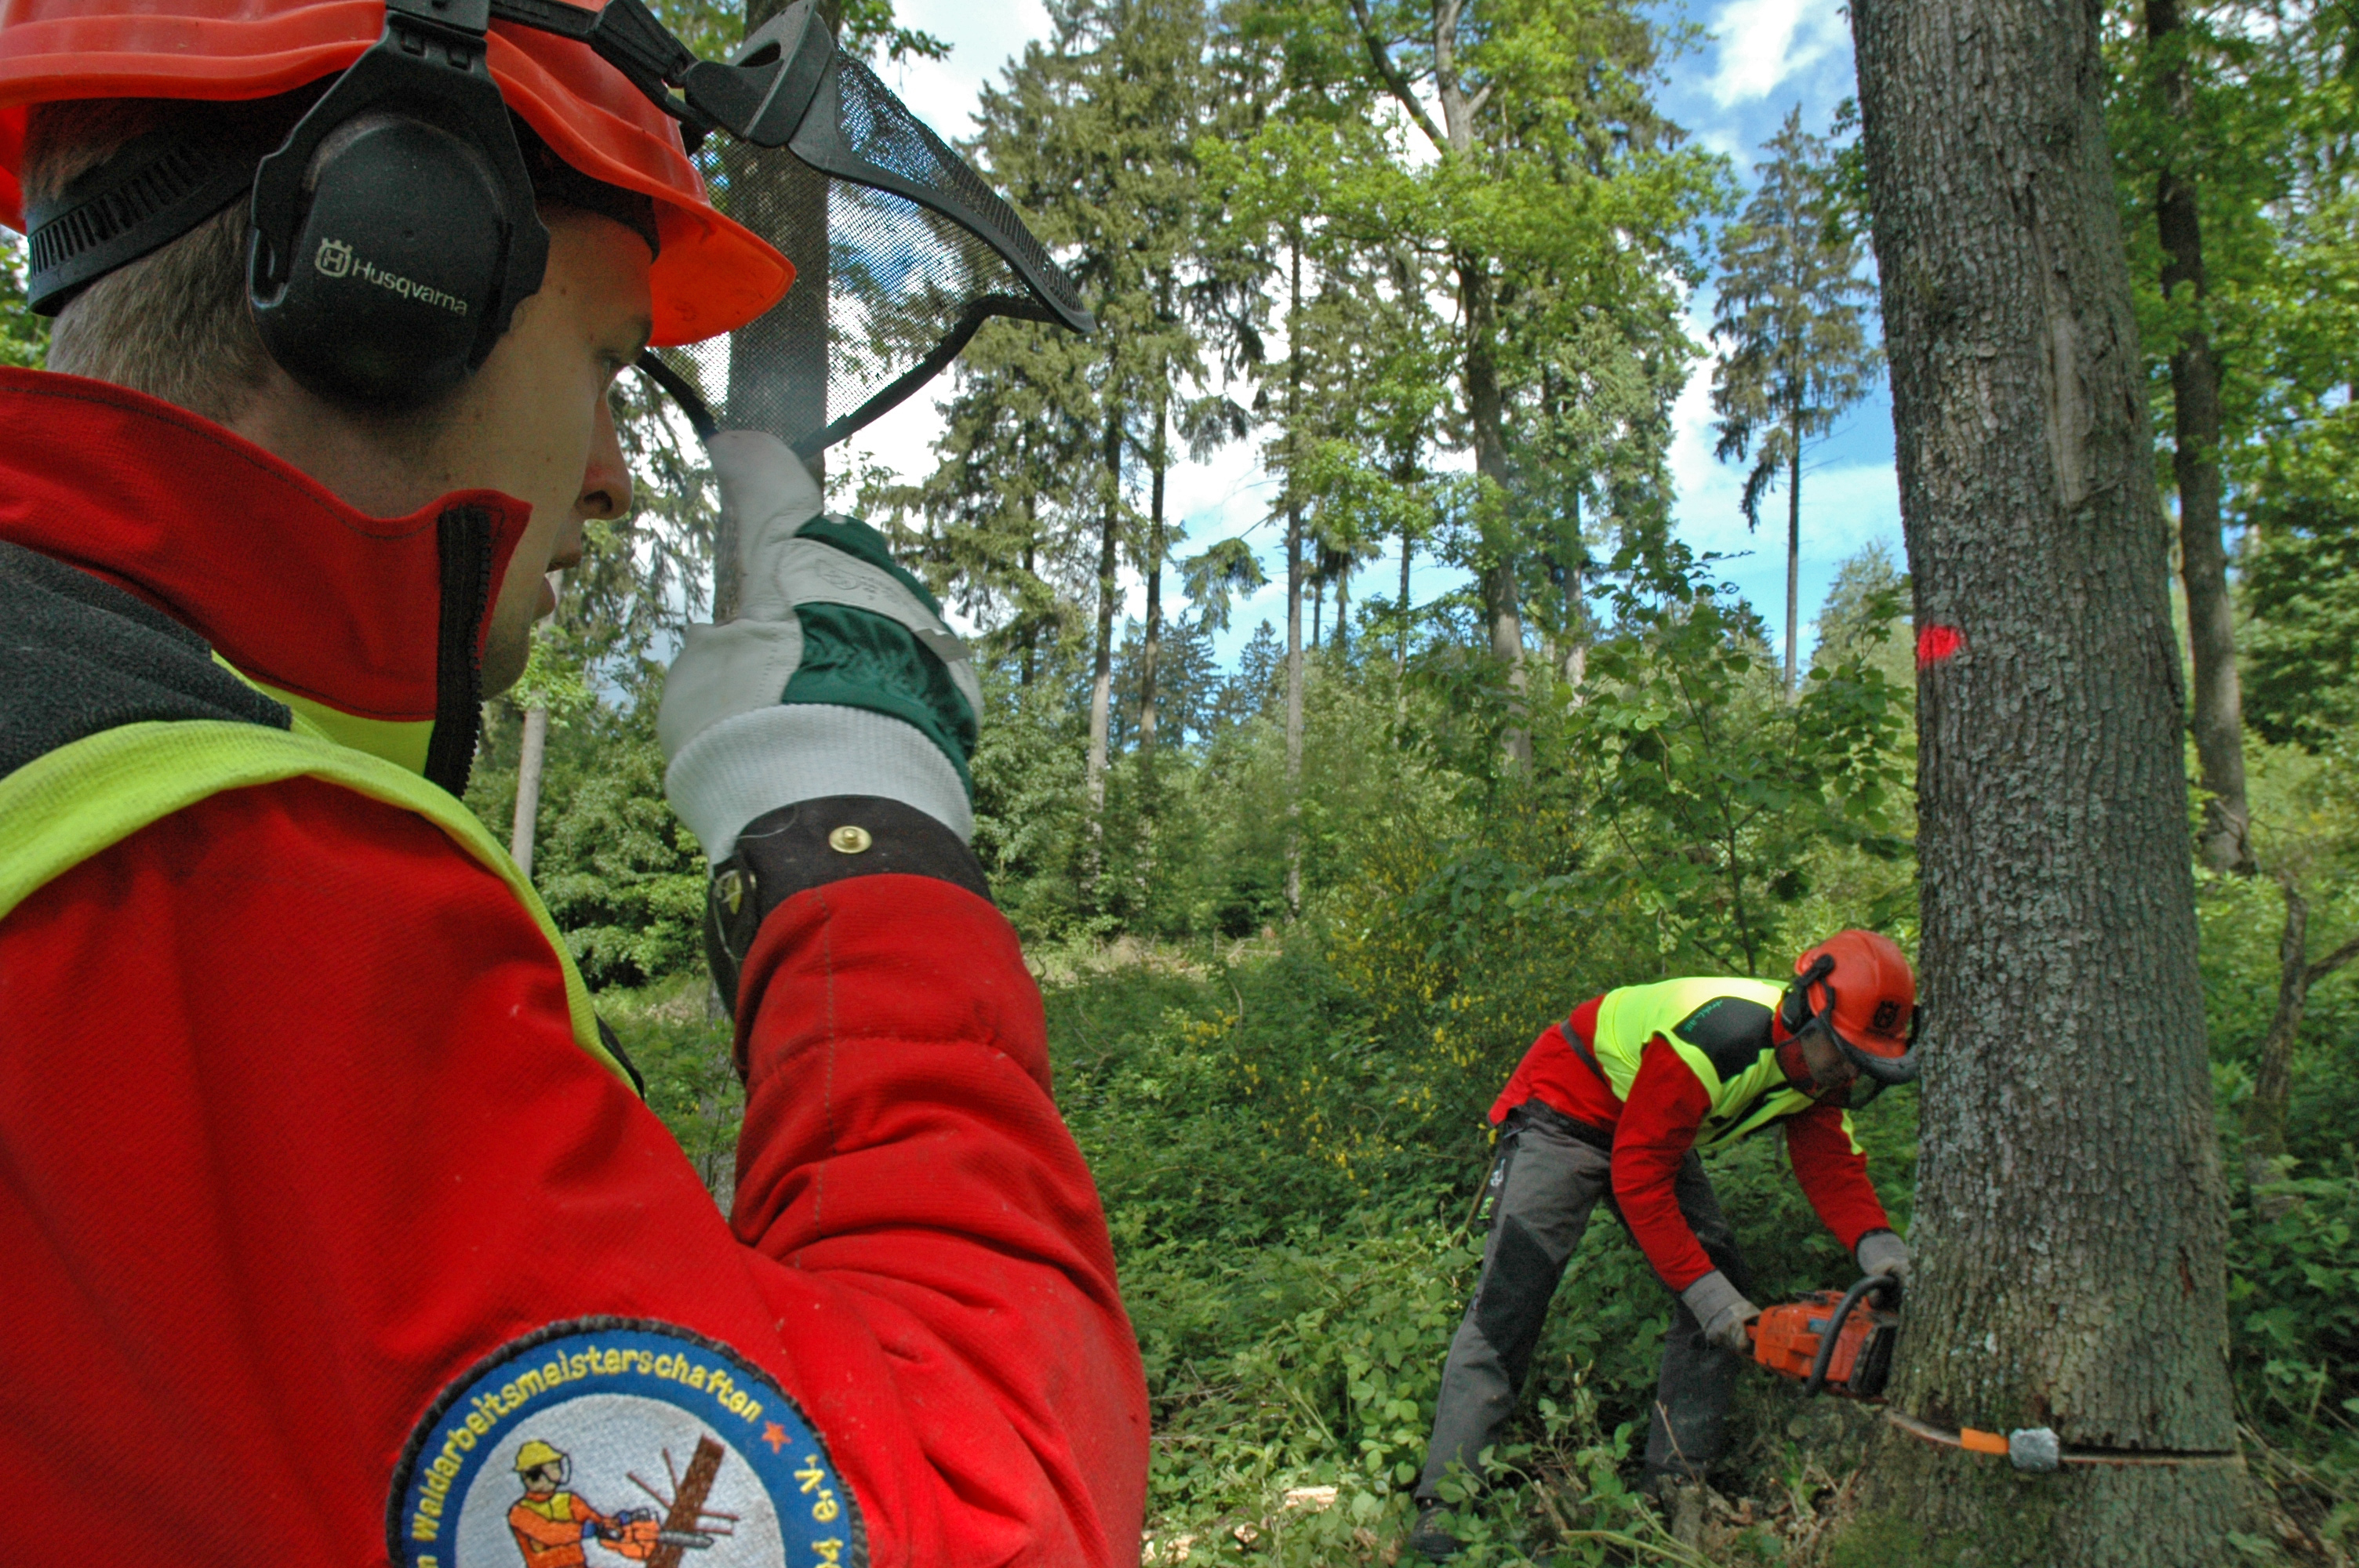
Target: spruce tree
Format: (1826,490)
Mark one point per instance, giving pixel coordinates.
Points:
(1793,323)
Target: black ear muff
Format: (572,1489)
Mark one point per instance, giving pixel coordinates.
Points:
(394,231)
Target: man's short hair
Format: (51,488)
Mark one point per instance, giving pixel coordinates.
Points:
(175,323)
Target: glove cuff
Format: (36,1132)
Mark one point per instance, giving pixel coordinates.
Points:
(813,843)
(744,767)
(1711,1295)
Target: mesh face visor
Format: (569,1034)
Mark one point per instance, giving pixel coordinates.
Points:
(901,251)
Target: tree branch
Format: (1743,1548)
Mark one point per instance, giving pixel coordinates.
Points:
(2331,962)
(1396,83)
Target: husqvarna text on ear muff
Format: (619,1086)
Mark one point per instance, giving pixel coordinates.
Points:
(395,232)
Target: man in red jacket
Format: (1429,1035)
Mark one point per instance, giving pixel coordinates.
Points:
(324,1197)
(1615,1105)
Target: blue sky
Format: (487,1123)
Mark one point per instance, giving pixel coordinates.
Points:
(1763,57)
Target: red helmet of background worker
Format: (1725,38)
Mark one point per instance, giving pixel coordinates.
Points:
(710,274)
(1856,989)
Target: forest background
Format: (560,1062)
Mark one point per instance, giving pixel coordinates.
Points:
(1440,270)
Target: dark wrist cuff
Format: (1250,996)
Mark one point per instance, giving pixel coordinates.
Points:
(813,842)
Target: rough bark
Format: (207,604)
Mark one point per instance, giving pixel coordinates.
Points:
(530,759)
(2218,710)
(2265,1113)
(2070,1218)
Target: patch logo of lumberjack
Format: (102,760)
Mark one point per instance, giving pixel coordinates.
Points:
(612,1441)
(335,259)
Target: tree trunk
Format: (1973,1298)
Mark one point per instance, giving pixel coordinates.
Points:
(2069,1219)
(1576,607)
(1294,581)
(2264,1143)
(1793,550)
(1318,608)
(1024,670)
(530,759)
(1151,649)
(1400,655)
(1101,679)
(777,363)
(1343,610)
(1486,406)
(2219,707)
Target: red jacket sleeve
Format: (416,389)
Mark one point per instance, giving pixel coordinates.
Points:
(1659,1117)
(296,1141)
(1834,1175)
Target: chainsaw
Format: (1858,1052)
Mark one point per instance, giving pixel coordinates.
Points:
(1823,1341)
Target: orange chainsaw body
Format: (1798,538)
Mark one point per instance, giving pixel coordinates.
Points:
(1787,1338)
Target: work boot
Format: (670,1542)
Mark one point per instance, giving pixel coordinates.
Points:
(1429,1540)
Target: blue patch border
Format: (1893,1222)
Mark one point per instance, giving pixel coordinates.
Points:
(786,1473)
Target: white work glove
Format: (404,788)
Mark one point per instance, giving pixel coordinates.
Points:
(1723,1310)
(1883,1252)
(838,676)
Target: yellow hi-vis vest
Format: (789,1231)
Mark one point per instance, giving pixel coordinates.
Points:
(68,805)
(1719,1029)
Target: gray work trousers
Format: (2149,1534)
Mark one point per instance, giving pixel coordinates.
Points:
(1543,1185)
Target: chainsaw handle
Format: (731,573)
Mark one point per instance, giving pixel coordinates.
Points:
(1818,1363)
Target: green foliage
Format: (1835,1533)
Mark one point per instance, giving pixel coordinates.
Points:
(24,337)
(682,1050)
(2300,583)
(623,876)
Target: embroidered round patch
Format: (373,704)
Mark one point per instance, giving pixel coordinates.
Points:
(612,1441)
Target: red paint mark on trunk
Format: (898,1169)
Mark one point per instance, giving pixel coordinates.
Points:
(1937,644)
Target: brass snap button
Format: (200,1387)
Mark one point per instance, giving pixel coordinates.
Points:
(849,840)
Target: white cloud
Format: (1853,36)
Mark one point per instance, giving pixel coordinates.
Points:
(983,38)
(1764,42)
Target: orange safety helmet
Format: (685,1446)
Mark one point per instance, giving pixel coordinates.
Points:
(1857,986)
(712,275)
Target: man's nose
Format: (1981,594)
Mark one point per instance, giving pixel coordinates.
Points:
(606,483)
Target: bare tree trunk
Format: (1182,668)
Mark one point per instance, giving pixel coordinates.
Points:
(2071,1216)
(2219,705)
(1501,609)
(1102,680)
(527,800)
(1293,584)
(1400,654)
(777,363)
(1318,608)
(1343,610)
(1024,668)
(1576,607)
(1151,649)
(2265,1113)
(1793,551)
